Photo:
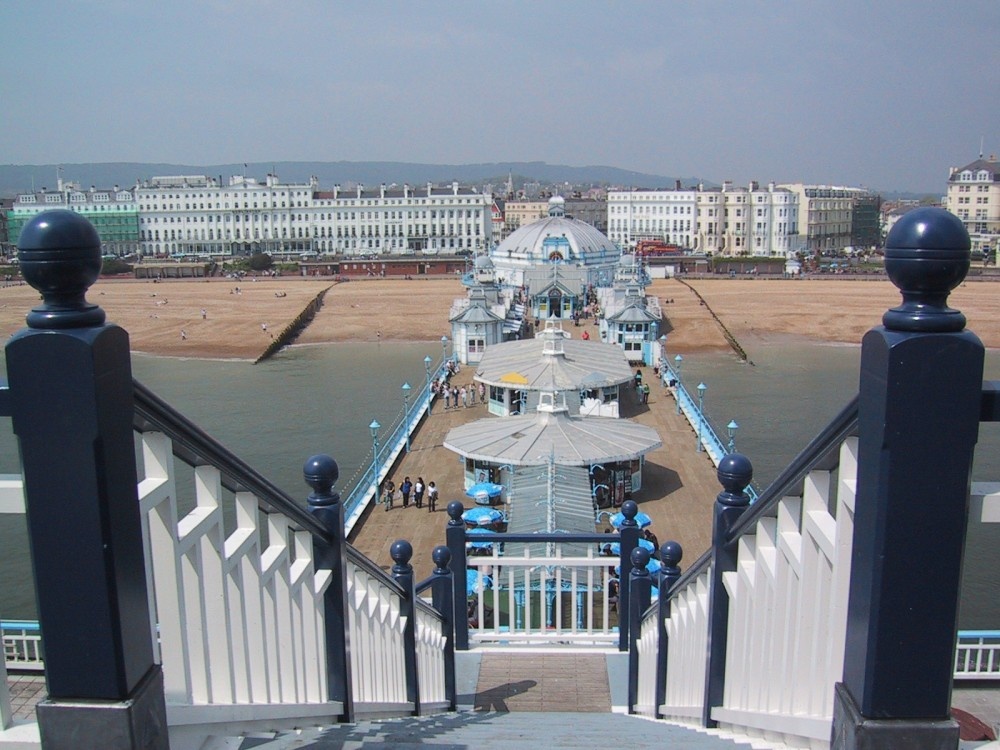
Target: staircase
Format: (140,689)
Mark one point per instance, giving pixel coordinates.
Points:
(510,699)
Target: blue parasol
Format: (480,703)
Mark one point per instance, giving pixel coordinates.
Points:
(482,516)
(640,518)
(483,544)
(492,489)
(472,578)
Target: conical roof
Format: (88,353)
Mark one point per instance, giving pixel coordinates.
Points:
(552,433)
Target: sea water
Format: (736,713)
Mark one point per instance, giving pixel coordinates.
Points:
(321,399)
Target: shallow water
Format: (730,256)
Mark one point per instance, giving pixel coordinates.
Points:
(320,399)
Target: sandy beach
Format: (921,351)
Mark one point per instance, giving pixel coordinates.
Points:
(241,319)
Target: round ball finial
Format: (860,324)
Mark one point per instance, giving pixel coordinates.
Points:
(401,552)
(455,511)
(630,509)
(671,554)
(59,253)
(927,254)
(321,472)
(735,472)
(639,558)
(442,558)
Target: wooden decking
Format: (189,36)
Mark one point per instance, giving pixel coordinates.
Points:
(678,489)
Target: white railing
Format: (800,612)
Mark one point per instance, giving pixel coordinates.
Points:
(377,640)
(239,616)
(538,599)
(977,656)
(687,644)
(22,645)
(788,613)
(431,643)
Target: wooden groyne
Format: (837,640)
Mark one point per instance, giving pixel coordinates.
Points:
(726,333)
(291,331)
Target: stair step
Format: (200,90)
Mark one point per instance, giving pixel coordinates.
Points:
(494,729)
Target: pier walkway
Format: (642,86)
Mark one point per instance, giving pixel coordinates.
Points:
(679,484)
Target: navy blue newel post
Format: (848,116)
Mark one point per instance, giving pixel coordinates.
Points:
(401,553)
(640,585)
(919,403)
(628,539)
(321,473)
(671,555)
(72,408)
(735,472)
(455,537)
(443,599)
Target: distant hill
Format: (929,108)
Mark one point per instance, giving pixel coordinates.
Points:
(17,178)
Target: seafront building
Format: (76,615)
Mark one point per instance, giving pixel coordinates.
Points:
(974,197)
(833,218)
(729,220)
(114,213)
(199,215)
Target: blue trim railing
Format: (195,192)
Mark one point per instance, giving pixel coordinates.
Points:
(366,489)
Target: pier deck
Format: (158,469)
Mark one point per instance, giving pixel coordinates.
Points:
(679,484)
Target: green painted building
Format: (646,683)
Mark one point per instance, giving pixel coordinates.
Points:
(114,213)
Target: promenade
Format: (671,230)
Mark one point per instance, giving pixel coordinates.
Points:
(679,484)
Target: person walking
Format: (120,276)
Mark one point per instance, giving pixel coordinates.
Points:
(388,491)
(463,394)
(418,492)
(405,488)
(482,393)
(447,397)
(432,497)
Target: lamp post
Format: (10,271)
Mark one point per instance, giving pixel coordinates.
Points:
(731,428)
(701,412)
(374,430)
(677,368)
(430,396)
(406,414)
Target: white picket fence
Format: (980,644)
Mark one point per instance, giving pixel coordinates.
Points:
(548,598)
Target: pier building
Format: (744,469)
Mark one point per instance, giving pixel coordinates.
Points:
(589,374)
(555,240)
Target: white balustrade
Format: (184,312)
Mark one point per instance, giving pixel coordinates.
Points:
(687,645)
(977,656)
(646,687)
(377,625)
(238,620)
(537,599)
(430,664)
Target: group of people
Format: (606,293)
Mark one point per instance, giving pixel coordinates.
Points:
(408,489)
(465,395)
(641,389)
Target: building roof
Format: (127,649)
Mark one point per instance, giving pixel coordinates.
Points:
(575,241)
(476,313)
(552,434)
(991,165)
(634,313)
(550,498)
(554,362)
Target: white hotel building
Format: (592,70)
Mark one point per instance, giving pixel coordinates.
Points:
(196,215)
(715,221)
(974,197)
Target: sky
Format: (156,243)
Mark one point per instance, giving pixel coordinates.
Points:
(886,95)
